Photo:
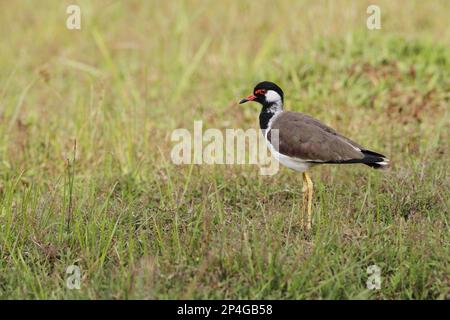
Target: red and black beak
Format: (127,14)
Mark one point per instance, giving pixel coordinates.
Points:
(249,98)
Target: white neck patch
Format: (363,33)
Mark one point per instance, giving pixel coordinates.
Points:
(273,98)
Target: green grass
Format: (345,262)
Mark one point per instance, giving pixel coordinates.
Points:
(140,227)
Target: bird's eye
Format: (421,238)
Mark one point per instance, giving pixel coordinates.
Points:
(260,91)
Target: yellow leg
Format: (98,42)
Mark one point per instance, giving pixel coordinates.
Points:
(307,198)
(304,200)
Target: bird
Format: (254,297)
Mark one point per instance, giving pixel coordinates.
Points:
(299,142)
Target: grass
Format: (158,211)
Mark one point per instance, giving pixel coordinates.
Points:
(85,170)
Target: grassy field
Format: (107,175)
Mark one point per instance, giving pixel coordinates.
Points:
(140,227)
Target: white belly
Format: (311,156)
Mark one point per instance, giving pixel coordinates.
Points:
(292,163)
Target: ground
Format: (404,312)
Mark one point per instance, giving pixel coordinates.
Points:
(86,177)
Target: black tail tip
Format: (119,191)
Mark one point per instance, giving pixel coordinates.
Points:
(383,165)
(377,166)
(375,160)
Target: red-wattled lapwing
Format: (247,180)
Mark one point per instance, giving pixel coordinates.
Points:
(304,141)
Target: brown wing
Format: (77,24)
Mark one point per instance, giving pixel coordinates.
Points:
(306,138)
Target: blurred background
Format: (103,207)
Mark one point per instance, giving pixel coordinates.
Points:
(142,227)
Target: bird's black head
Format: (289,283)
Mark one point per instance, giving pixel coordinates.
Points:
(267,93)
